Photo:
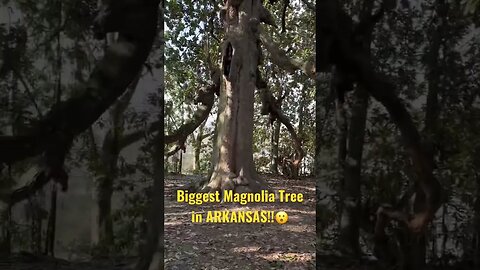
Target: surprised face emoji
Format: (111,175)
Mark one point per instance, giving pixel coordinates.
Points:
(281,217)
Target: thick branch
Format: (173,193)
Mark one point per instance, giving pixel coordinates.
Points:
(281,59)
(206,98)
(199,116)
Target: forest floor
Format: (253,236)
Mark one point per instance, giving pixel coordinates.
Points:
(245,246)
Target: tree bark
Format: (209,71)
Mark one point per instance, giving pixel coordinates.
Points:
(234,167)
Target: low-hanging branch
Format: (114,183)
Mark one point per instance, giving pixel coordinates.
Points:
(282,60)
(205,98)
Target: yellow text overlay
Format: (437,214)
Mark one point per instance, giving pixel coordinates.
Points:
(183,196)
(227,216)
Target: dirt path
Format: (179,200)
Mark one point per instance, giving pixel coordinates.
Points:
(241,246)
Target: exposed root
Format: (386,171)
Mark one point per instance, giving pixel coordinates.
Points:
(220,181)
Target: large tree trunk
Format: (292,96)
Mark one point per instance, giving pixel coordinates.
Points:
(233,163)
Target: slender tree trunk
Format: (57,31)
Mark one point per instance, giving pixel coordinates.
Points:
(51,226)
(476,223)
(104,224)
(301,116)
(444,231)
(234,167)
(151,249)
(351,188)
(198,147)
(275,139)
(52,218)
(341,123)
(35,227)
(6,236)
(349,223)
(180,162)
(342,132)
(416,250)
(274,146)
(104,189)
(106,171)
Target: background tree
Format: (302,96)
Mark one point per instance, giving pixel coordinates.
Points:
(431,45)
(63,82)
